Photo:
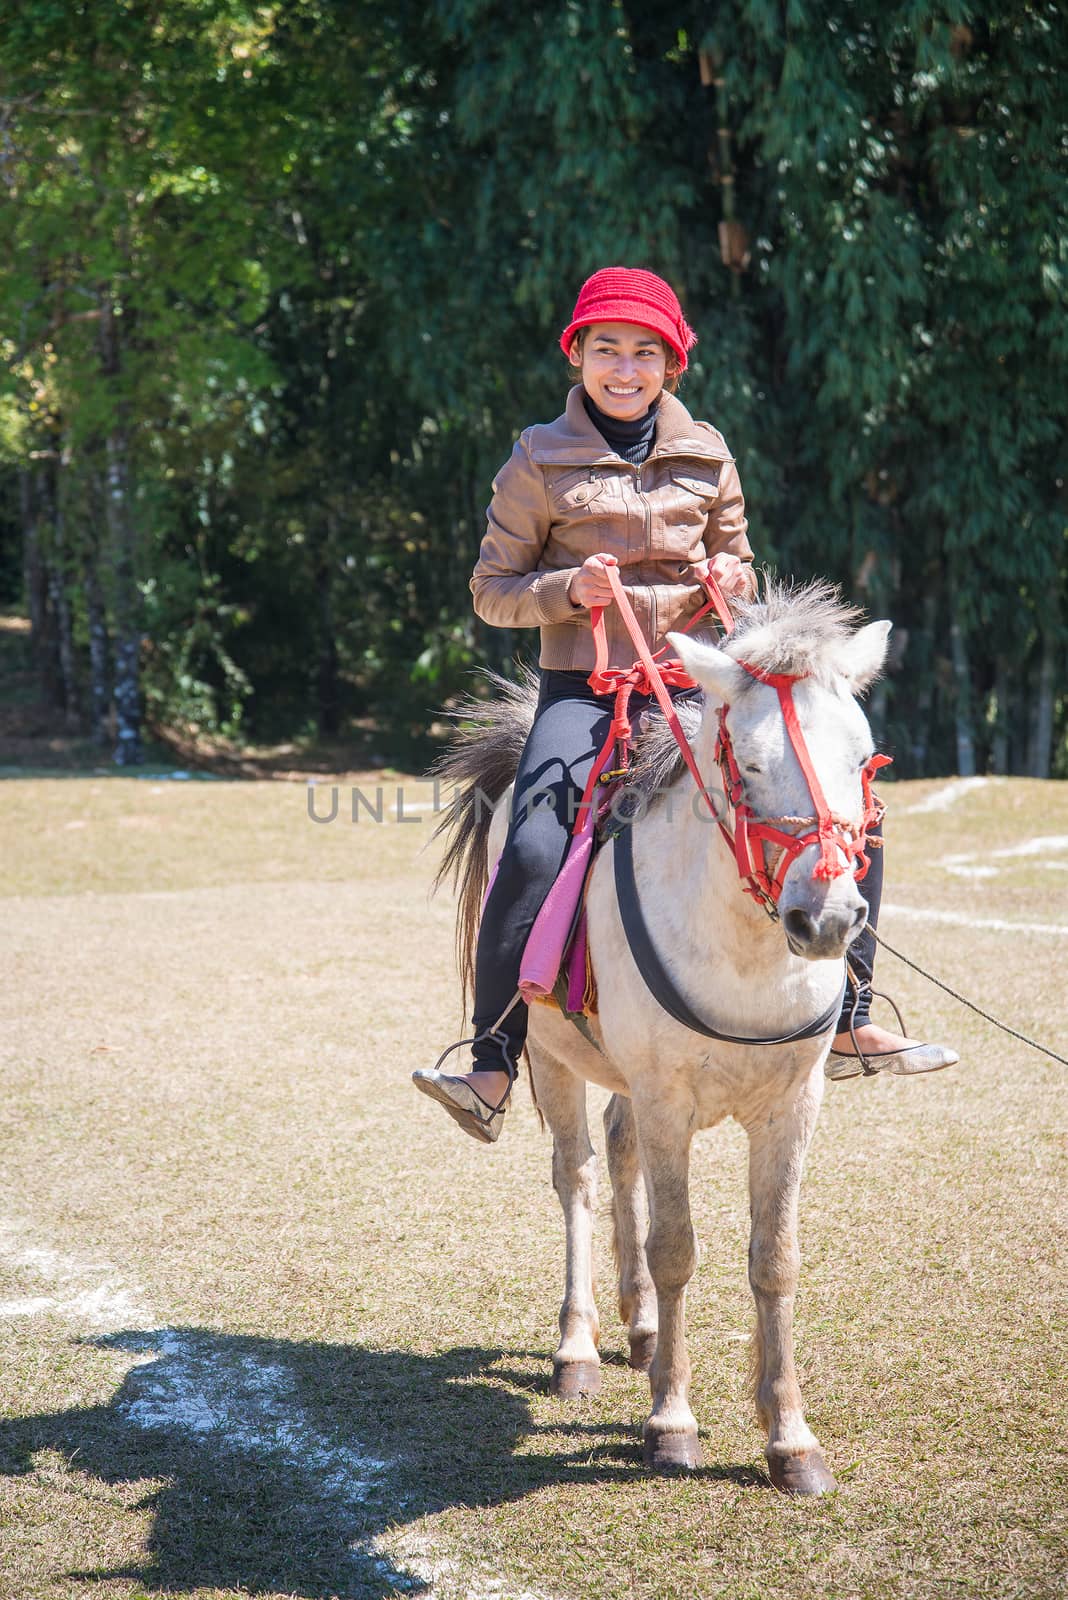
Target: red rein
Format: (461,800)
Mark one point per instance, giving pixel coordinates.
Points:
(836,837)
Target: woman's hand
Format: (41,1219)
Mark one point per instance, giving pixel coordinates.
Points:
(729,572)
(590,587)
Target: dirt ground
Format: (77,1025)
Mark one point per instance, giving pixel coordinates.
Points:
(270,1325)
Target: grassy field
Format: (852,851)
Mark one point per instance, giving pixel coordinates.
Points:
(270,1324)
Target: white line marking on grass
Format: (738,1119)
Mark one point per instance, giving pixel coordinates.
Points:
(1044,845)
(250,1406)
(414,1551)
(976,865)
(186,1382)
(79,1295)
(964,919)
(201,1385)
(943,799)
(26,1308)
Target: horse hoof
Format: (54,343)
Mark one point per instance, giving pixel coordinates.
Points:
(804,1474)
(672,1452)
(642,1351)
(573,1379)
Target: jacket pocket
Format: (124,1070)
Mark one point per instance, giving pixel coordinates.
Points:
(704,483)
(572,491)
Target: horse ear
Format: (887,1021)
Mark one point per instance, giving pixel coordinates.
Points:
(714,670)
(862,658)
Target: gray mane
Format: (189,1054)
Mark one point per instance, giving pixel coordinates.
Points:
(797,628)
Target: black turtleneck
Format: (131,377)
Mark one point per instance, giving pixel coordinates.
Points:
(631,440)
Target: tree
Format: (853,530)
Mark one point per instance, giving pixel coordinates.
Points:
(282,282)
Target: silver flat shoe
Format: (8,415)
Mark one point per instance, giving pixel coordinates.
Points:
(475,1115)
(842,1064)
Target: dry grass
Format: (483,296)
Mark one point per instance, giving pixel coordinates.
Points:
(211,1008)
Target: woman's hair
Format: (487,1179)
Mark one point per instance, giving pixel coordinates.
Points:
(672,373)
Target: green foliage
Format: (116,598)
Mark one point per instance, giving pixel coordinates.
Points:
(339,242)
(189,676)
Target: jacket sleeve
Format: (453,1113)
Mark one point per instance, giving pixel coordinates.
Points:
(508,590)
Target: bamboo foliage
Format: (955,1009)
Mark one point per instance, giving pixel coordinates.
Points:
(281,282)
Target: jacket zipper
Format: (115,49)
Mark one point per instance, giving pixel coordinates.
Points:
(647,554)
(647,515)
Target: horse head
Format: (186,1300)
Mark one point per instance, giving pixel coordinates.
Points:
(795,756)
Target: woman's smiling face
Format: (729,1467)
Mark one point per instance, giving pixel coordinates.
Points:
(623,368)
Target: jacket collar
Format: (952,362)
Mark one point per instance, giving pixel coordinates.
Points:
(572,440)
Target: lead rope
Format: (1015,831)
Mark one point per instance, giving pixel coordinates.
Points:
(1013,1032)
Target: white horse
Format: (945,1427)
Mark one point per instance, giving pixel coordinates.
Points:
(748,974)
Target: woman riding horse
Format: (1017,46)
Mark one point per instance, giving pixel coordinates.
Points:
(626,474)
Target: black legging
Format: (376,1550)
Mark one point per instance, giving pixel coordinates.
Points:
(570,725)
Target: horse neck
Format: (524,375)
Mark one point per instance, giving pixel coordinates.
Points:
(720,939)
(698,887)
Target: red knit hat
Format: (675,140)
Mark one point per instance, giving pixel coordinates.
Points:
(629,294)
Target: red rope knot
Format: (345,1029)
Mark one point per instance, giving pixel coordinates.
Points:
(830,864)
(635,680)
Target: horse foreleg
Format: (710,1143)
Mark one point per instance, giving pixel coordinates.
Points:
(637,1296)
(777,1145)
(664,1134)
(562,1100)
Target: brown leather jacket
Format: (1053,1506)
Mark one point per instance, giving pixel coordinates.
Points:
(564,495)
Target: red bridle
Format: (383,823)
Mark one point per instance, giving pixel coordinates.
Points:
(840,840)
(835,836)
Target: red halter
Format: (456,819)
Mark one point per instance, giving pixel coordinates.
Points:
(835,836)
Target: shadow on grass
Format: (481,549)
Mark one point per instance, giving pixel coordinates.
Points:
(281,1462)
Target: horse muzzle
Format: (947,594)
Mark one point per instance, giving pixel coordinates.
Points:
(820,918)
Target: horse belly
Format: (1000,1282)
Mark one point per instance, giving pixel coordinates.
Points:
(550,1029)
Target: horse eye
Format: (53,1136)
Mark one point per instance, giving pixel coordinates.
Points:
(749,767)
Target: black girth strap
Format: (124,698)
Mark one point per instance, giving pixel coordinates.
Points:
(659,981)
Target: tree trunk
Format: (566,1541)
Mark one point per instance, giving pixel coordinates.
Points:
(1041,744)
(733,239)
(128,750)
(925,698)
(877,711)
(999,748)
(123,542)
(96,611)
(35,578)
(962,707)
(59,595)
(328,695)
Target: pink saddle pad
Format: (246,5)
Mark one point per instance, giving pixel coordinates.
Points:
(547,941)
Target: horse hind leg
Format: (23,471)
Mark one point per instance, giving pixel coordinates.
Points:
(561,1098)
(776,1154)
(664,1132)
(637,1296)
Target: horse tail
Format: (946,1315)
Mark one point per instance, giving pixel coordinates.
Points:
(479,764)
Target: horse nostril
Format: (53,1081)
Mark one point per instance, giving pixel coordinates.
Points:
(860,917)
(800,927)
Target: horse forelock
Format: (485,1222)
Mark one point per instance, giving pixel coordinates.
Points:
(794,628)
